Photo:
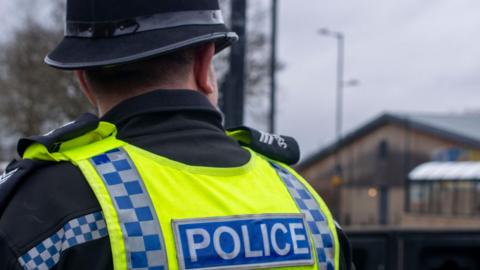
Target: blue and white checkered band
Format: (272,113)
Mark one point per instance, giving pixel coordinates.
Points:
(78,231)
(140,226)
(316,220)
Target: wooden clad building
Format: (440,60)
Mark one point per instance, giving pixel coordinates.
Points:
(376,159)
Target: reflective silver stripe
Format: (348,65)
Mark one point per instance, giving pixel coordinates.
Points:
(142,234)
(5,176)
(142,24)
(317,222)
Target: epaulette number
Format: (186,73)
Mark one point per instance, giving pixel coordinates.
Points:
(268,138)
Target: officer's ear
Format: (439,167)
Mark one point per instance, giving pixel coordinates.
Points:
(203,72)
(85,86)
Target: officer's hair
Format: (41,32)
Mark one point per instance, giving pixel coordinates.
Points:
(166,69)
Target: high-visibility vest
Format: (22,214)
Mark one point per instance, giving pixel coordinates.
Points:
(163,214)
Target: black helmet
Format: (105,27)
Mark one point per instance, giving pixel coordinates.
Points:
(102,33)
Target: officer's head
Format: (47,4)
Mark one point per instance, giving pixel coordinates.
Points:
(136,45)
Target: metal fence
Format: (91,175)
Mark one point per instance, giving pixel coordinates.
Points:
(416,249)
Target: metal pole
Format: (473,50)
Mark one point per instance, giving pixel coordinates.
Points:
(340,83)
(273,66)
(234,93)
(340,38)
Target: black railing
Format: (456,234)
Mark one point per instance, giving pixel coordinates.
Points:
(416,249)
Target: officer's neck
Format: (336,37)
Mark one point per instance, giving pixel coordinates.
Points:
(105,104)
(204,83)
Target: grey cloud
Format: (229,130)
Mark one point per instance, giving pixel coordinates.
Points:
(409,55)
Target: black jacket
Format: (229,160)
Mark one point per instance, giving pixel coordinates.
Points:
(180,125)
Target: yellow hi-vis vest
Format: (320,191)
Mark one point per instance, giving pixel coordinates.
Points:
(162,214)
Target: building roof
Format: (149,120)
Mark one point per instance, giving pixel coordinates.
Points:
(467,125)
(440,171)
(463,128)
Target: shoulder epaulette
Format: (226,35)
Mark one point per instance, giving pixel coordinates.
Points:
(52,140)
(277,147)
(17,170)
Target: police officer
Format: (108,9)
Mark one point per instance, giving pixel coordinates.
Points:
(156,182)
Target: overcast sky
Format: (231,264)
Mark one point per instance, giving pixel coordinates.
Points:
(409,55)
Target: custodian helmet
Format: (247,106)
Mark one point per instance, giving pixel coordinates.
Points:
(112,32)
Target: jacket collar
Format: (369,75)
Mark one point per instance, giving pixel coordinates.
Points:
(161,101)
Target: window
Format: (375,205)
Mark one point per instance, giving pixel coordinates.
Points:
(476,204)
(449,198)
(419,197)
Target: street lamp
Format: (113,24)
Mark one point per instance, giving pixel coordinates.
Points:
(339,36)
(341,84)
(337,179)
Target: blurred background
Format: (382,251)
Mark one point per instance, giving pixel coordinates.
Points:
(383,97)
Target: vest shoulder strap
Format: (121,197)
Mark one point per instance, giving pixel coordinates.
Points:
(76,140)
(53,139)
(276,147)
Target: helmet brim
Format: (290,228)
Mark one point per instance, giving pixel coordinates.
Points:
(87,53)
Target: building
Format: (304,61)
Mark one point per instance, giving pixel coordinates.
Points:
(375,160)
(444,193)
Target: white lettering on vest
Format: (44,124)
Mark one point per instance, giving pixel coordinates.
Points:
(193,247)
(297,237)
(249,253)
(266,241)
(218,245)
(273,236)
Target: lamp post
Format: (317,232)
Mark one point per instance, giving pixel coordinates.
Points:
(339,36)
(340,85)
(273,65)
(233,88)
